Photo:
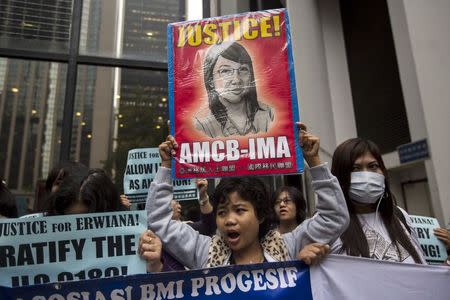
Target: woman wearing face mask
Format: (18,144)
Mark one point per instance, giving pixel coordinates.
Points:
(378,229)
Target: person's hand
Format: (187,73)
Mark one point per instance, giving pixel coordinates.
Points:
(313,253)
(202,185)
(125,202)
(150,249)
(444,236)
(203,199)
(310,145)
(167,150)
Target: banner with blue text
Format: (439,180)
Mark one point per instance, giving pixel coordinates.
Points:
(289,280)
(337,277)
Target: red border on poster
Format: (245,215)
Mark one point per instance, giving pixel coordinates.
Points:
(262,147)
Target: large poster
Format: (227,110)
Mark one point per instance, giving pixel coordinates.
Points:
(232,95)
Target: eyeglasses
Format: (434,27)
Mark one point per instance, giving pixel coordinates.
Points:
(286,201)
(227,72)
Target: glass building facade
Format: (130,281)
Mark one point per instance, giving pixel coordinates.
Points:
(95,67)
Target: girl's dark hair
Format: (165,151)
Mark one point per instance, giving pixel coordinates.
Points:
(250,189)
(237,53)
(76,170)
(64,171)
(354,241)
(296,195)
(97,192)
(8,206)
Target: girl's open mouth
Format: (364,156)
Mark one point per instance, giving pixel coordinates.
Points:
(233,237)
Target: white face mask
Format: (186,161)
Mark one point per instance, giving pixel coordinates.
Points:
(366,187)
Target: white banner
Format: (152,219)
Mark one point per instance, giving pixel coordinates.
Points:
(338,277)
(343,277)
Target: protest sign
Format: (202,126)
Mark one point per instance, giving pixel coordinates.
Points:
(70,247)
(288,280)
(232,94)
(142,165)
(337,277)
(433,249)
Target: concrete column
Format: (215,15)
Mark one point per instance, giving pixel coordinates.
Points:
(337,67)
(229,7)
(423,45)
(323,86)
(102,117)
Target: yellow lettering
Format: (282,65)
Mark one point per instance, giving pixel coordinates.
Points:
(249,32)
(181,37)
(213,33)
(276,25)
(194,35)
(237,30)
(209,31)
(265,26)
(225,30)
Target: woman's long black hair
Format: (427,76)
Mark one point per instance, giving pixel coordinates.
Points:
(237,53)
(96,191)
(354,241)
(8,206)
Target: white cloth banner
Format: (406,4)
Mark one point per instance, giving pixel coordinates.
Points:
(343,277)
(338,277)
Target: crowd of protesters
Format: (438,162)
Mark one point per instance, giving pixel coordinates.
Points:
(241,223)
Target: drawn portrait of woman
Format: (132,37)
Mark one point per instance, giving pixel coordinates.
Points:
(234,107)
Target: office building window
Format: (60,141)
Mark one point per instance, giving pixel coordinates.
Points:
(131,29)
(95,69)
(116,110)
(31,105)
(37,25)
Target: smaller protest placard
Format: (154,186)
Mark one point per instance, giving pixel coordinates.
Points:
(433,249)
(142,165)
(70,247)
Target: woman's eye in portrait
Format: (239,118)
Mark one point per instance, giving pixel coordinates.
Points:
(225,72)
(244,71)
